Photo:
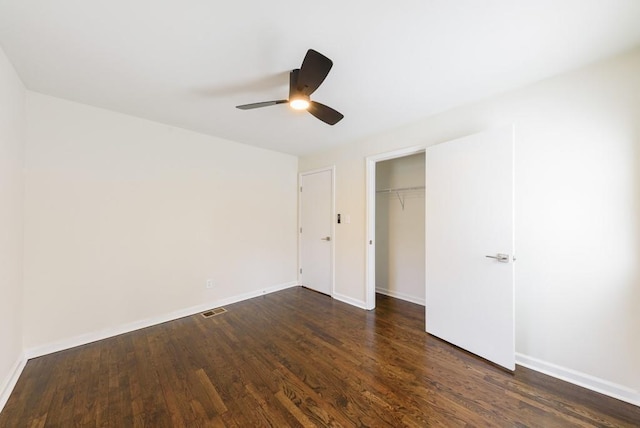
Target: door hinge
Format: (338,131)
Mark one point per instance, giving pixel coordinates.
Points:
(300,271)
(300,230)
(300,188)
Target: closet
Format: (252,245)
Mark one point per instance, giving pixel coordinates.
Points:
(400,233)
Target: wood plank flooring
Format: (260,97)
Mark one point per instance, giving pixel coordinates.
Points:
(294,358)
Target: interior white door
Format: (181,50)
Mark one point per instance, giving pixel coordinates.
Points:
(470,244)
(316,221)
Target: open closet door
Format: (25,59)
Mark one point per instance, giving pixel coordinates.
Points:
(470,245)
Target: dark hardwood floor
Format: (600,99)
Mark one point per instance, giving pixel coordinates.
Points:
(294,358)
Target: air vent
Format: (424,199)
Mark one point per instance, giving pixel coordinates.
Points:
(213,312)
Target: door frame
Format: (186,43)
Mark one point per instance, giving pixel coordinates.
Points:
(370,202)
(332,263)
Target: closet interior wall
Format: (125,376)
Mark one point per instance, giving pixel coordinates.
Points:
(400,234)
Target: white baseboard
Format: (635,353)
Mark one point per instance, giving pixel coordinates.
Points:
(401,296)
(250,295)
(584,380)
(349,300)
(83,339)
(10,382)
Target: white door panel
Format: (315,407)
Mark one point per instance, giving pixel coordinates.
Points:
(316,221)
(469,215)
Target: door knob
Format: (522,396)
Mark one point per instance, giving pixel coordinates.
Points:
(502,258)
(328,238)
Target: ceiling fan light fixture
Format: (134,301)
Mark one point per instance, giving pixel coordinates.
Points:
(299,104)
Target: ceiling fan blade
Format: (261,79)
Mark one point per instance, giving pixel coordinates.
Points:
(313,71)
(262,104)
(324,113)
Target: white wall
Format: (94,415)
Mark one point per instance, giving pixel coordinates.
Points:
(577,216)
(400,257)
(12,127)
(126,219)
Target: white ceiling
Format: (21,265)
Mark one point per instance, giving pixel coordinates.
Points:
(187,63)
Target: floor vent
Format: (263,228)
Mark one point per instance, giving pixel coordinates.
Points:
(214,312)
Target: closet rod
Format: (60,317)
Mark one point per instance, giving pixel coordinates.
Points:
(399,189)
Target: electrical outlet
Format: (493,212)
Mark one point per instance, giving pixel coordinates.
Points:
(209,283)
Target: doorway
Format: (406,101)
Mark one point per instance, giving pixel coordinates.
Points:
(400,223)
(371,197)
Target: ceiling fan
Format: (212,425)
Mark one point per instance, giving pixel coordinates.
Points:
(303,82)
